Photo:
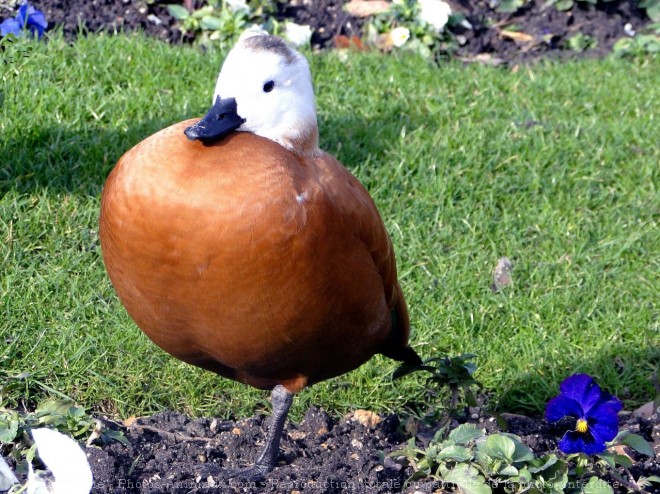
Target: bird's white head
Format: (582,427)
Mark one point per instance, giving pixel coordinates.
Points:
(264,87)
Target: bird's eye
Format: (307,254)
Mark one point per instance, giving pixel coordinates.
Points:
(268,87)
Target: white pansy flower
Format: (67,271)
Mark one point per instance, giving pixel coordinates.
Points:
(399,36)
(7,477)
(65,460)
(296,34)
(237,6)
(434,12)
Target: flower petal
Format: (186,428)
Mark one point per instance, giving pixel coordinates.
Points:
(67,462)
(10,26)
(7,477)
(22,15)
(583,389)
(561,406)
(604,426)
(608,401)
(37,22)
(576,442)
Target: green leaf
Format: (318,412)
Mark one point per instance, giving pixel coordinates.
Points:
(524,476)
(622,46)
(597,486)
(455,452)
(623,460)
(179,12)
(467,478)
(654,12)
(555,478)
(210,23)
(652,9)
(508,470)
(52,412)
(8,426)
(564,4)
(499,447)
(115,436)
(608,458)
(539,464)
(508,6)
(522,453)
(638,443)
(465,433)
(203,12)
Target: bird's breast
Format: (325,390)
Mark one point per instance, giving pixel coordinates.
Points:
(234,254)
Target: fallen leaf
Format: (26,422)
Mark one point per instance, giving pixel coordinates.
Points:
(130,421)
(620,449)
(366,418)
(502,274)
(344,42)
(366,8)
(295,435)
(384,42)
(517,36)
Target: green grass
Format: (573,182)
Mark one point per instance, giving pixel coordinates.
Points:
(555,166)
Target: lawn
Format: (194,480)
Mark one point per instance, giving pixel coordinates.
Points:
(555,166)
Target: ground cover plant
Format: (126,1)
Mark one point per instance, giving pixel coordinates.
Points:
(554,166)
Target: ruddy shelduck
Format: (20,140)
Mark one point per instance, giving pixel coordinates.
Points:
(237,245)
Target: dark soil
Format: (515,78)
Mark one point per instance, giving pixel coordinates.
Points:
(170,453)
(320,455)
(549,30)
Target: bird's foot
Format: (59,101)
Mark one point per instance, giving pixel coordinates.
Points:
(256,473)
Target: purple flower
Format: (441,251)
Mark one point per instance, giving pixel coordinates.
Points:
(595,411)
(28,18)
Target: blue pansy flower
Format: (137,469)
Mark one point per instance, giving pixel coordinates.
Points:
(595,410)
(28,18)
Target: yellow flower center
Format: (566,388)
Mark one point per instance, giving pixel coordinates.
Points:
(582,425)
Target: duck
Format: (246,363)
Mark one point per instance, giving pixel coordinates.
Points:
(237,245)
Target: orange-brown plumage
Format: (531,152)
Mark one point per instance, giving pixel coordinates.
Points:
(248,260)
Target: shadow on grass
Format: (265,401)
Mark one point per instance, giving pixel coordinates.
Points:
(77,160)
(65,160)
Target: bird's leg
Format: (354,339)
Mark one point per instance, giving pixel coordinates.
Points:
(281,399)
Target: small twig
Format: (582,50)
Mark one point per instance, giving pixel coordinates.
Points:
(172,435)
(631,485)
(503,22)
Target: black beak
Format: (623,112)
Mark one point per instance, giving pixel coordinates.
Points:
(220,120)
